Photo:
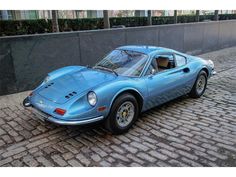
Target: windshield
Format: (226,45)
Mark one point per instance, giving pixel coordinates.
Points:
(124,62)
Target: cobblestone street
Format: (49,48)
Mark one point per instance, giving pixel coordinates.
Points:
(184,132)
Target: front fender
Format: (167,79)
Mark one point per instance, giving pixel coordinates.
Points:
(108,93)
(125,90)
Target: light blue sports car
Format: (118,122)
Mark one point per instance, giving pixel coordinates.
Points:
(127,81)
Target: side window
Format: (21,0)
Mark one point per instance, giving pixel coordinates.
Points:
(180,60)
(165,62)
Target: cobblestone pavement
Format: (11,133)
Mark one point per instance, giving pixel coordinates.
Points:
(184,132)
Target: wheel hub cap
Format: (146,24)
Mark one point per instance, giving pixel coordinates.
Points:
(125,114)
(201,84)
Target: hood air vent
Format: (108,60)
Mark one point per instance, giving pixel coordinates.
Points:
(49,85)
(70,95)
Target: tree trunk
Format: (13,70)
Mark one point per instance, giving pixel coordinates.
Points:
(13,12)
(175,16)
(149,17)
(106,19)
(197,15)
(77,14)
(55,27)
(216,17)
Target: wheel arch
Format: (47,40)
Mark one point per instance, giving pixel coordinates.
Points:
(206,70)
(133,92)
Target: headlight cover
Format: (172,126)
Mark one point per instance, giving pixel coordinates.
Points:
(211,64)
(92,98)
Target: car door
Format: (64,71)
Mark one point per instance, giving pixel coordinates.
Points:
(183,74)
(167,84)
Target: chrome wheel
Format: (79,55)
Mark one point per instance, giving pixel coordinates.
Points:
(125,114)
(201,83)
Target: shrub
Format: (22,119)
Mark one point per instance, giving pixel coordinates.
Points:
(19,27)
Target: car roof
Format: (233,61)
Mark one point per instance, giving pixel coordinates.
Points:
(146,49)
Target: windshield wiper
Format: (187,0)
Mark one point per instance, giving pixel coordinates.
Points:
(106,69)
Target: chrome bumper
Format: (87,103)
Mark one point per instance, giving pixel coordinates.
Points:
(75,122)
(46,117)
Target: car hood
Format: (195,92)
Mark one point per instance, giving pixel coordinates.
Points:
(66,87)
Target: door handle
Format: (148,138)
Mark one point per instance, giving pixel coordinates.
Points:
(186,70)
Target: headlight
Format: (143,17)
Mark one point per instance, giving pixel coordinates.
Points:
(211,64)
(47,79)
(92,98)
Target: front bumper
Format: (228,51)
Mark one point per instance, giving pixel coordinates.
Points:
(46,117)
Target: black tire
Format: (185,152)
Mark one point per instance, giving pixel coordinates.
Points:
(194,93)
(111,123)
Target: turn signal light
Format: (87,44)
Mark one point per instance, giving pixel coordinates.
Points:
(60,111)
(102,108)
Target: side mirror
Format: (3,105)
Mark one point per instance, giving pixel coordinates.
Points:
(153,71)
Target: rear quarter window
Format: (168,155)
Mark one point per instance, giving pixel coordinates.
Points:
(180,60)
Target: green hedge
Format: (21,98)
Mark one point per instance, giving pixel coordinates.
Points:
(9,28)
(20,27)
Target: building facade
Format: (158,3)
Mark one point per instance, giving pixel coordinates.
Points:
(18,14)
